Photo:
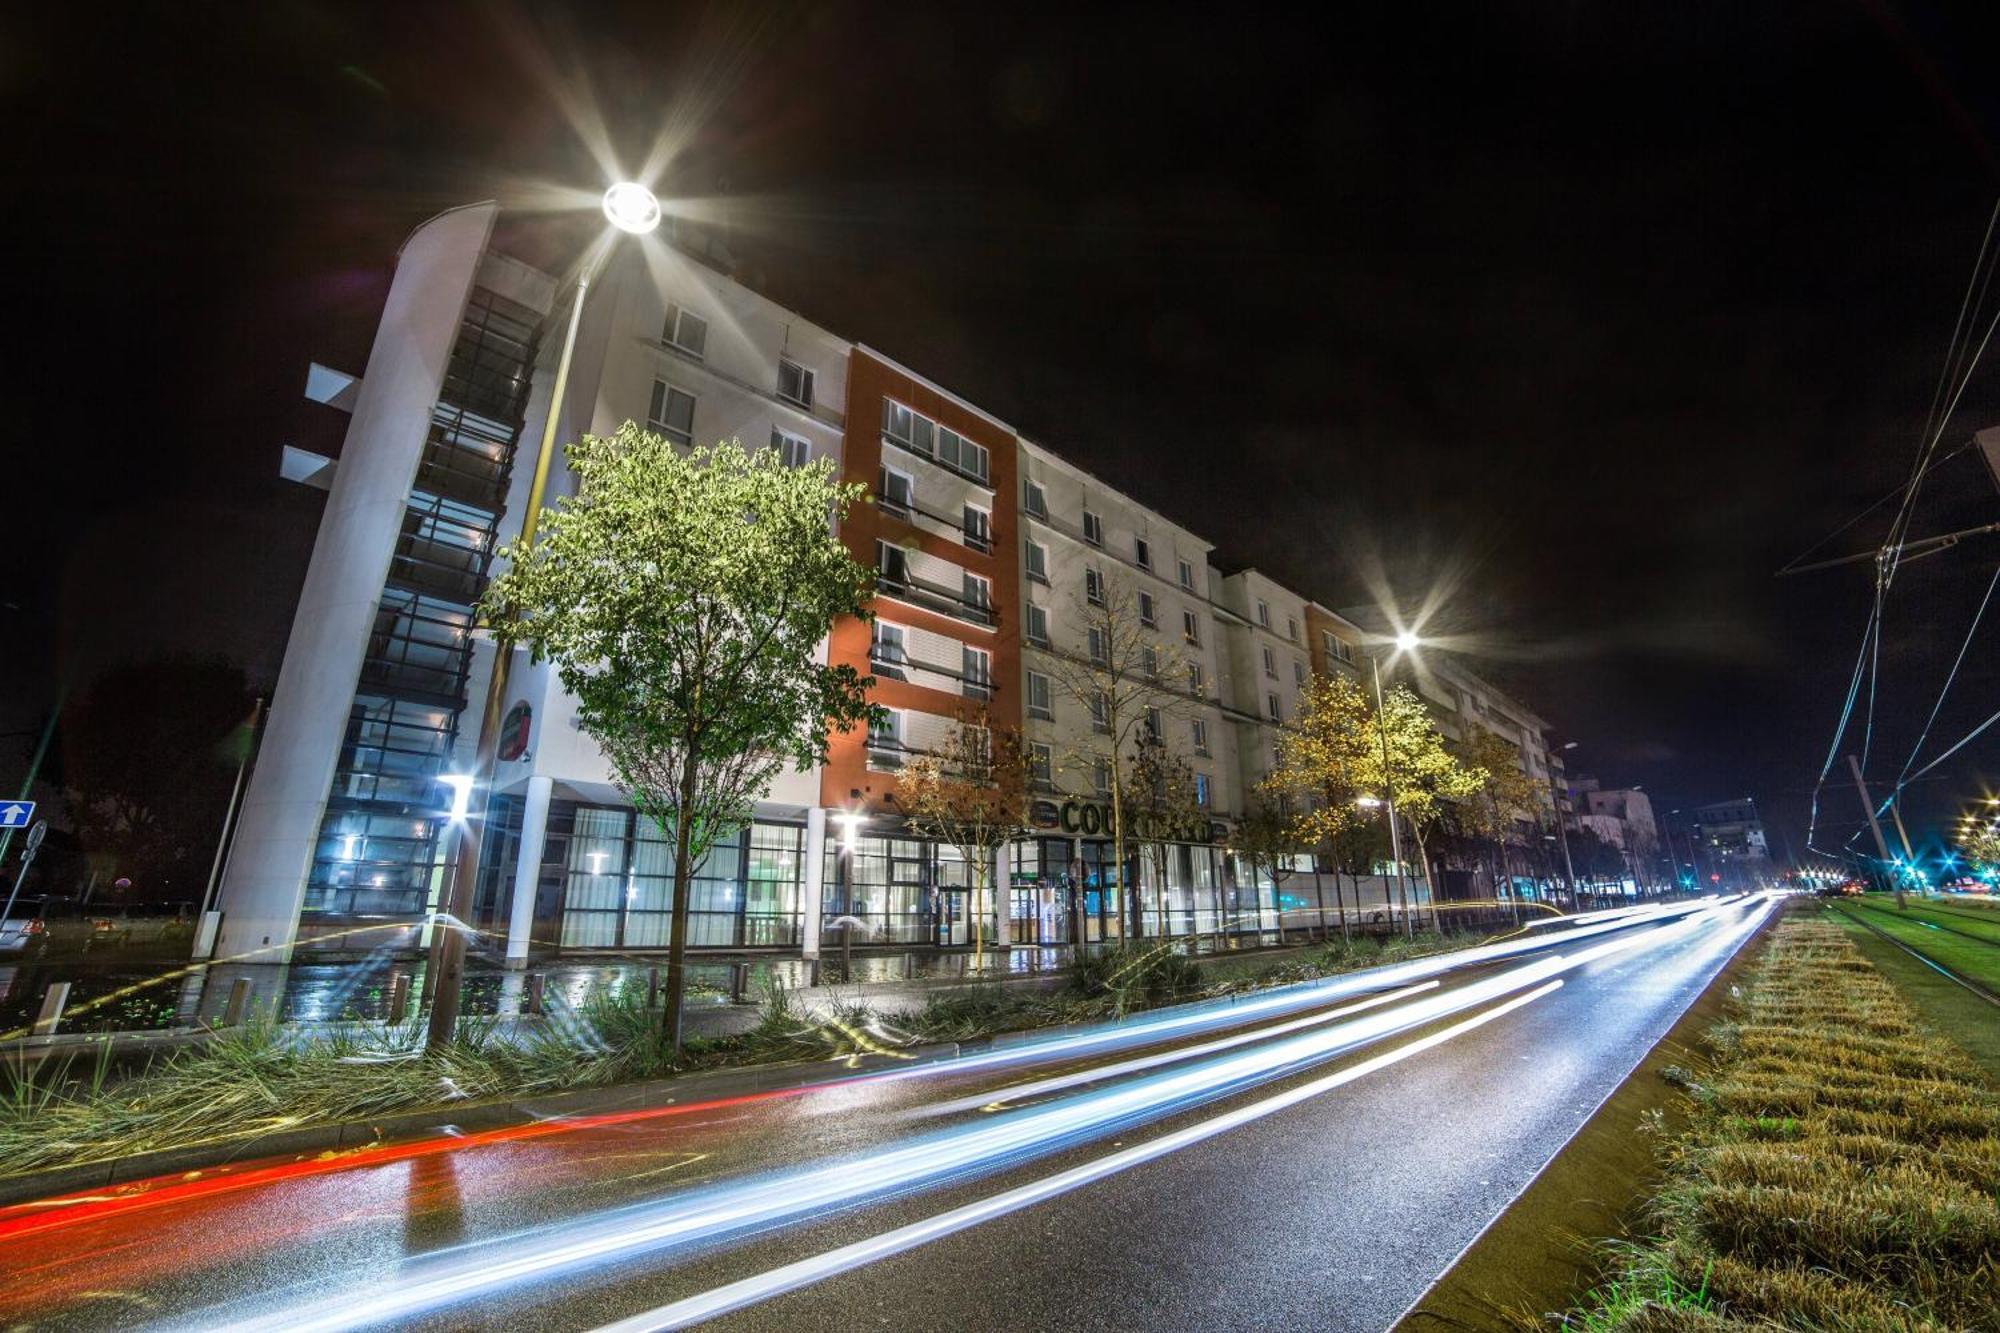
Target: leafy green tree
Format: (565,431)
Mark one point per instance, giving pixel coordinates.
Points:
(1423,775)
(683,598)
(971,793)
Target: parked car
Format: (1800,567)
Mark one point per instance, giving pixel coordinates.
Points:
(24,934)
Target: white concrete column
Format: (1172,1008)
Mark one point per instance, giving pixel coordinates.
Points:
(528,870)
(809,906)
(265,884)
(1003,895)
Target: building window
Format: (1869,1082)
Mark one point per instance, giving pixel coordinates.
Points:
(1197,680)
(1272,707)
(895,491)
(1186,572)
(1093,585)
(1299,673)
(892,566)
(960,454)
(1100,712)
(672,413)
(885,740)
(792,450)
(1292,628)
(1198,733)
(1034,500)
(912,430)
(978,593)
(1040,703)
(685,332)
(1147,614)
(1201,792)
(1038,562)
(795,382)
(1142,551)
(887,656)
(978,528)
(1263,613)
(977,666)
(1150,657)
(1271,663)
(1038,625)
(1153,730)
(1100,777)
(1191,627)
(1337,648)
(1099,649)
(1093,528)
(920,435)
(1041,765)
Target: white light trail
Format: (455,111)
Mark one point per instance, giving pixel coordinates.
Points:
(752,1290)
(814,1189)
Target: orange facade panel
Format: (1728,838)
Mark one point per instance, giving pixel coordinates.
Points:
(847,780)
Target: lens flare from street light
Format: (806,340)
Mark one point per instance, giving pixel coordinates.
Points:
(1407,641)
(631,207)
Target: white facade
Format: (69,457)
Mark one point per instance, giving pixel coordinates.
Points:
(1076,529)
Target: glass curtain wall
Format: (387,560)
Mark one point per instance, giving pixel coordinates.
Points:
(618,890)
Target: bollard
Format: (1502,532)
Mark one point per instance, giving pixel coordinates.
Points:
(53,1001)
(653,988)
(533,1003)
(399,998)
(239,1002)
(812,972)
(739,982)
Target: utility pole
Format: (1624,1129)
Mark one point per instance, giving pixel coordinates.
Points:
(1868,808)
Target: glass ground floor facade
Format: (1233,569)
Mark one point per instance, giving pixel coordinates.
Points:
(606,884)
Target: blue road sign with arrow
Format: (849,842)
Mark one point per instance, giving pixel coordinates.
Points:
(17,814)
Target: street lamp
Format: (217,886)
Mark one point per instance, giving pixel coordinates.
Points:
(632,208)
(1562,829)
(1406,642)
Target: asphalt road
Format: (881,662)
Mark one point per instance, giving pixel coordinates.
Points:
(1312,1158)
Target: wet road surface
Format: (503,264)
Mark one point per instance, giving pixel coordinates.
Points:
(1308,1157)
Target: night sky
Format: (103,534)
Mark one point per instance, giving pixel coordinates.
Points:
(1595,314)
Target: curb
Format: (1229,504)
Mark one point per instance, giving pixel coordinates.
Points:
(314,1140)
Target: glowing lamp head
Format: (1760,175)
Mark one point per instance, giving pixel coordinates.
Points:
(1407,641)
(630,206)
(460,786)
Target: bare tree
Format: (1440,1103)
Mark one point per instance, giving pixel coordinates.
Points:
(1165,805)
(970,793)
(1130,681)
(1268,837)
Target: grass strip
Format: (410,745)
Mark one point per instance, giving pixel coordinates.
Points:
(264,1078)
(1840,1169)
(1975,960)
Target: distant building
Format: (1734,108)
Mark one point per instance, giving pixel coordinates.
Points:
(1623,817)
(1728,842)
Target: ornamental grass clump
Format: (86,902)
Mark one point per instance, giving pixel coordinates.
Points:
(1841,1169)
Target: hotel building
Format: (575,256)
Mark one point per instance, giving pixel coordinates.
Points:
(988,548)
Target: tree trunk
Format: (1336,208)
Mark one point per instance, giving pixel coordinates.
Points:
(670,1020)
(979,876)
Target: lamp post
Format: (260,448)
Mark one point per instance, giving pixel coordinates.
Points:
(1562,829)
(631,208)
(1405,642)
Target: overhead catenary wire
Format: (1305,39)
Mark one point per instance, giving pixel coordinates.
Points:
(1960,361)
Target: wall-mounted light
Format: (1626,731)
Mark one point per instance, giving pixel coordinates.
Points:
(461,794)
(850,822)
